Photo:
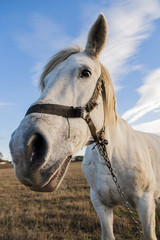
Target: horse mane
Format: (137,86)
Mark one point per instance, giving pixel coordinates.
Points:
(55,60)
(111,113)
(63,55)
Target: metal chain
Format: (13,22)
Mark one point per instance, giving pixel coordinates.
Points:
(104,154)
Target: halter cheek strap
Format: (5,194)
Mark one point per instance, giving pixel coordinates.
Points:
(78,112)
(98,137)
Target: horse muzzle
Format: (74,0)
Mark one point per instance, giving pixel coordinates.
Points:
(29,153)
(36,163)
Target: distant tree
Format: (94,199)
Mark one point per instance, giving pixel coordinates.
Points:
(1,155)
(78,159)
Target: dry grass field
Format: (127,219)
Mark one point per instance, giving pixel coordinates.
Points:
(66,214)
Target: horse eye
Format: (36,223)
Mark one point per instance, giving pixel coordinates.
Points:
(85,73)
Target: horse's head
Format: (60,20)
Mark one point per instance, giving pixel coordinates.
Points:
(43,144)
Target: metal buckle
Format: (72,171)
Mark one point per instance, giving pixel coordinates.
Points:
(79,112)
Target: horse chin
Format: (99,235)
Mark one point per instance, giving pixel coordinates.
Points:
(55,180)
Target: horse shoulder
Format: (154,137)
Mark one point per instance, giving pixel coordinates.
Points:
(154,150)
(132,158)
(97,173)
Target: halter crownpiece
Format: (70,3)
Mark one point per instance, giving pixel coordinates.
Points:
(77,112)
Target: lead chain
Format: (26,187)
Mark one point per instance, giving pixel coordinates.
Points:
(104,154)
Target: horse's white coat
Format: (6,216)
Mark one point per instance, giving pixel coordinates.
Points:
(135,156)
(136,163)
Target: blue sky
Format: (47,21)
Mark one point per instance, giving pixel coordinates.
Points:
(32,31)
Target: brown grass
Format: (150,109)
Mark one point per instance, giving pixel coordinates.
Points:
(66,214)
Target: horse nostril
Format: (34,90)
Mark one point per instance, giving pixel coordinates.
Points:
(36,148)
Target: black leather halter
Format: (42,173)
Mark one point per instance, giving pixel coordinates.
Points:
(77,112)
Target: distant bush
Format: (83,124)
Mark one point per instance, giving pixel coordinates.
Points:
(1,160)
(77,159)
(1,155)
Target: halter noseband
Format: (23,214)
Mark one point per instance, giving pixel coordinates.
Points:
(77,112)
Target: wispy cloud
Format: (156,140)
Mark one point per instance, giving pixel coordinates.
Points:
(6,104)
(130,23)
(41,41)
(152,127)
(149,97)
(43,37)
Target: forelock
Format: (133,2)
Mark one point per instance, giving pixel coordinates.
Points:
(55,60)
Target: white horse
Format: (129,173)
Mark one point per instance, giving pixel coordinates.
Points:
(52,131)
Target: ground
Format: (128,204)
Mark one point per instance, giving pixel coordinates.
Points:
(66,214)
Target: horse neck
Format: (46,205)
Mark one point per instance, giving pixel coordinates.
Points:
(111,133)
(110,114)
(109,103)
(117,134)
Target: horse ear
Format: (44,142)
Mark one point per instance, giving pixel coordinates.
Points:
(97,36)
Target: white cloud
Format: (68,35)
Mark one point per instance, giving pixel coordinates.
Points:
(43,37)
(157,110)
(41,41)
(149,97)
(6,104)
(152,127)
(129,24)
